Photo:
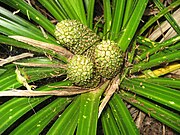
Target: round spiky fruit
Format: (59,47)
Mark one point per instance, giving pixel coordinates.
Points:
(81,71)
(94,81)
(90,52)
(75,36)
(108,58)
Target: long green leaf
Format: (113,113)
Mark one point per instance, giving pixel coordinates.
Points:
(31,13)
(108,123)
(90,13)
(13,109)
(164,52)
(2,70)
(67,122)
(146,41)
(79,9)
(122,116)
(88,117)
(168,82)
(11,28)
(54,9)
(160,94)
(37,122)
(13,25)
(169,57)
(129,7)
(166,116)
(158,47)
(131,27)
(159,15)
(13,42)
(107,18)
(117,19)
(168,16)
(66,5)
(14,18)
(8,79)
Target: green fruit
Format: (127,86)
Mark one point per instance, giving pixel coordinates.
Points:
(94,81)
(108,58)
(90,53)
(81,71)
(75,36)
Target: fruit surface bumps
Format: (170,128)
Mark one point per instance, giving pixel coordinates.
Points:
(75,36)
(81,71)
(108,58)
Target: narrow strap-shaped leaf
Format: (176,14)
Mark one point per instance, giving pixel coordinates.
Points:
(88,117)
(67,122)
(146,41)
(117,19)
(169,82)
(166,96)
(159,15)
(60,7)
(32,14)
(159,46)
(9,41)
(53,8)
(14,18)
(12,28)
(66,5)
(90,13)
(126,37)
(161,53)
(13,25)
(37,122)
(15,108)
(168,16)
(8,79)
(129,7)
(2,71)
(166,116)
(79,9)
(108,123)
(13,42)
(88,114)
(107,18)
(169,57)
(122,116)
